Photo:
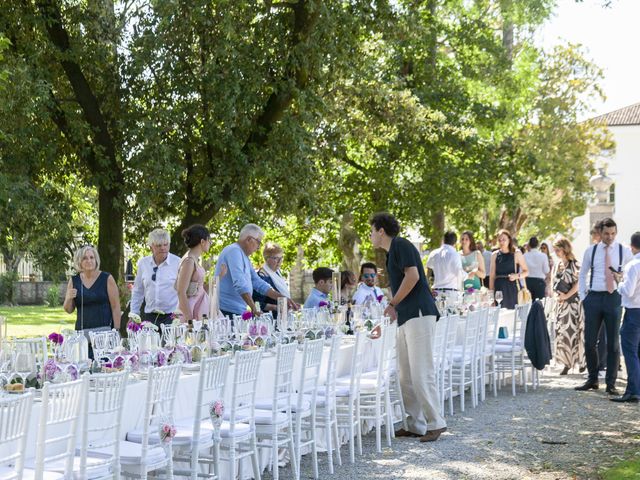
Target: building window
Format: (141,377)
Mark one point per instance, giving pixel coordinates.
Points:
(612,193)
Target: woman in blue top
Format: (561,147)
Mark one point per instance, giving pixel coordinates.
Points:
(93,294)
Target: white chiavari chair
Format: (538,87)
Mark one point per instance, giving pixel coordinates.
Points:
(14,424)
(463,364)
(510,354)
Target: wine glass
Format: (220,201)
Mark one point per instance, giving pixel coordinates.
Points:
(498,297)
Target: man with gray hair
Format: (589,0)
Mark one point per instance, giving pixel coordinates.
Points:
(237,286)
(155,278)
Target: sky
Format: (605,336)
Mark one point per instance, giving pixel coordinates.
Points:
(611,36)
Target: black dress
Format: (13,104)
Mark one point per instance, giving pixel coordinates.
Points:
(92,304)
(505,264)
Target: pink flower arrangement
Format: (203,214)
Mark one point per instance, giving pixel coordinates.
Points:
(323,304)
(264,330)
(167,432)
(50,369)
(56,338)
(216,410)
(247,315)
(118,362)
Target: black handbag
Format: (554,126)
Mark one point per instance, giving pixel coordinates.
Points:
(562,286)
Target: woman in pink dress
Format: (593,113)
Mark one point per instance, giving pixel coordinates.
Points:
(192,297)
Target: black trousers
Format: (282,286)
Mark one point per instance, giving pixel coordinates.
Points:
(536,286)
(602,348)
(602,308)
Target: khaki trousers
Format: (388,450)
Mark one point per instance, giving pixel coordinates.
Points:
(418,374)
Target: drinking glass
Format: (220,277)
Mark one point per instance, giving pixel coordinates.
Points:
(498,297)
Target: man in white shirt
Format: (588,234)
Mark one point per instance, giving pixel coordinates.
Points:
(367,290)
(538,264)
(629,288)
(155,279)
(601,303)
(446,265)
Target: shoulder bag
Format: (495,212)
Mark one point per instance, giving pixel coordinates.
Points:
(524,295)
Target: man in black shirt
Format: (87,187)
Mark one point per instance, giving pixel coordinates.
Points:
(413,307)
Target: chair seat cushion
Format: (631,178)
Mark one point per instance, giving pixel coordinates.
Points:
(130,453)
(206,428)
(341,391)
(29,474)
(265,417)
(267,403)
(507,348)
(96,467)
(184,434)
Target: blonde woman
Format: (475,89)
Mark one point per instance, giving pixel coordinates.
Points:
(93,294)
(569,315)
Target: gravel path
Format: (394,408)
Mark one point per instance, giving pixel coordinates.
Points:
(551,433)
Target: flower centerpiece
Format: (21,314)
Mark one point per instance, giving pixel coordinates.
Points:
(322,304)
(247,315)
(56,340)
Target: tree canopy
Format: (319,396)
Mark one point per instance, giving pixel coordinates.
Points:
(304,116)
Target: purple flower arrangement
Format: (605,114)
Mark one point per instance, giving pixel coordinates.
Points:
(56,338)
(264,330)
(379,298)
(471,290)
(134,326)
(248,315)
(323,304)
(253,330)
(51,368)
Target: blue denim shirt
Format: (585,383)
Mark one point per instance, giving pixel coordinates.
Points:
(315,297)
(240,278)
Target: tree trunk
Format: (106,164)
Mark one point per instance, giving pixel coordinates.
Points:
(110,237)
(506,8)
(437,227)
(348,243)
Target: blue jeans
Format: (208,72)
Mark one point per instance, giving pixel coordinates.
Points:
(630,343)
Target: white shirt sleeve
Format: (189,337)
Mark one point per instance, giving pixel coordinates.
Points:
(627,288)
(584,269)
(137,293)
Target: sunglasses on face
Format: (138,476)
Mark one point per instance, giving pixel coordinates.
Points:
(153,277)
(368,275)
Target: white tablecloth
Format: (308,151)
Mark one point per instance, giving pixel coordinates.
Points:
(132,417)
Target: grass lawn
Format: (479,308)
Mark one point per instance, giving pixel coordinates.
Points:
(627,470)
(29,321)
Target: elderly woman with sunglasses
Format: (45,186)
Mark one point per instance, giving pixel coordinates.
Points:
(155,279)
(270,272)
(367,291)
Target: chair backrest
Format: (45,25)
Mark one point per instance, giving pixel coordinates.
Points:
(245,375)
(451,337)
(211,387)
(310,372)
(332,369)
(492,329)
(520,315)
(481,336)
(357,365)
(471,327)
(440,339)
(102,416)
(162,387)
(283,385)
(14,424)
(62,406)
(3,328)
(36,346)
(387,354)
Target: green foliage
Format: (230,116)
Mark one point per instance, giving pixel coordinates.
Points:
(293,115)
(8,282)
(53,296)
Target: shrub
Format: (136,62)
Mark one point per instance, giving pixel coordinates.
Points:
(53,296)
(7,286)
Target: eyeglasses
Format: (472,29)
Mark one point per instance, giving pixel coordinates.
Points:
(155,270)
(257,240)
(368,275)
